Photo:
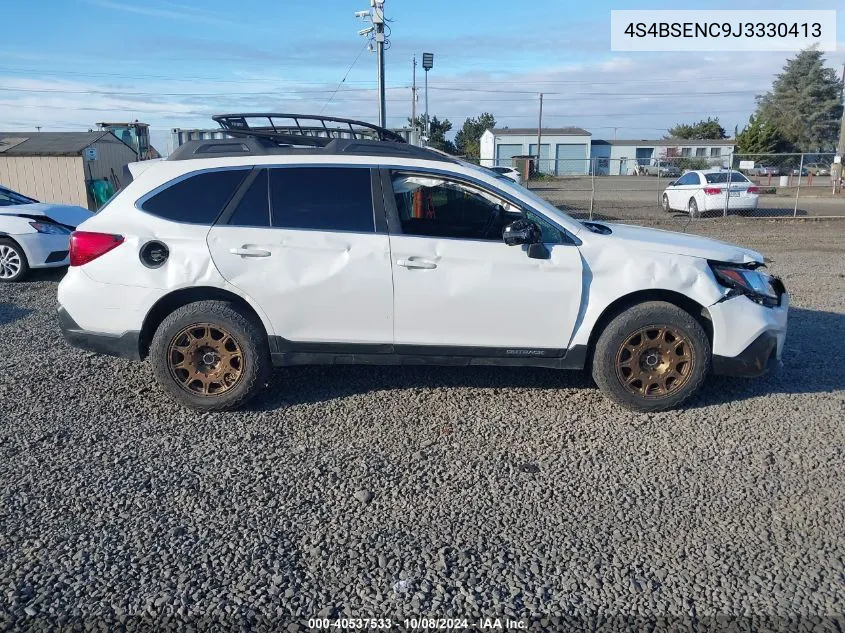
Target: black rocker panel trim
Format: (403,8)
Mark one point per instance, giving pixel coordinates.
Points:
(285,352)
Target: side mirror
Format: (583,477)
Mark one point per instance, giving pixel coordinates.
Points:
(522,231)
(672,183)
(538,251)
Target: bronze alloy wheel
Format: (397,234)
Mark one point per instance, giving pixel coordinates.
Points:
(205,359)
(655,361)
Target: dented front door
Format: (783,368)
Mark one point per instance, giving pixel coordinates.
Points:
(467,293)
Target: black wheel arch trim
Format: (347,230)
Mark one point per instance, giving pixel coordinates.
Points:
(619,305)
(177,298)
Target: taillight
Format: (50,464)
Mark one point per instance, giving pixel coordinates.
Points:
(753,190)
(712,191)
(86,246)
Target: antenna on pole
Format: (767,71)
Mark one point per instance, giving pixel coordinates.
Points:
(376,34)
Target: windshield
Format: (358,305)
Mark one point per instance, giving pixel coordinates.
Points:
(722,176)
(9,198)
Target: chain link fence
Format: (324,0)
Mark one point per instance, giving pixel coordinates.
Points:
(654,190)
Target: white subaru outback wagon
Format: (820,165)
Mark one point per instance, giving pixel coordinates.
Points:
(325,240)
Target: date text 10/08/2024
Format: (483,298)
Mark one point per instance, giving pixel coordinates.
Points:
(415,624)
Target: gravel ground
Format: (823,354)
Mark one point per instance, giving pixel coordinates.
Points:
(393,493)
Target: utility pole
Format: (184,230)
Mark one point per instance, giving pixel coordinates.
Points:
(414,98)
(539,134)
(836,170)
(378,23)
(376,33)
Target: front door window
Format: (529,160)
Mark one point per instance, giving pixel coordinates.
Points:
(430,206)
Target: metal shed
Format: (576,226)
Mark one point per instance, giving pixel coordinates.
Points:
(57,166)
(563,151)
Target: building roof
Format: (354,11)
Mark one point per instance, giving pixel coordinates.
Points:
(671,142)
(48,143)
(550,131)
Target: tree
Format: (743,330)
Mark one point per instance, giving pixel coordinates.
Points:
(673,156)
(437,138)
(804,103)
(468,138)
(705,129)
(760,137)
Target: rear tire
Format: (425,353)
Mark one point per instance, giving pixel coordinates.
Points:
(210,356)
(13,263)
(692,208)
(651,357)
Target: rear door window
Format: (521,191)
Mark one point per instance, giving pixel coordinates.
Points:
(197,199)
(322,199)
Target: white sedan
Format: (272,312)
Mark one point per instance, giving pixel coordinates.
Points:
(34,234)
(508,172)
(708,190)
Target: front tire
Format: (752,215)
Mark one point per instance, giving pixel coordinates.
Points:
(210,356)
(651,357)
(13,263)
(666,207)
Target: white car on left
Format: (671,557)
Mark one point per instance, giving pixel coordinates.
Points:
(34,234)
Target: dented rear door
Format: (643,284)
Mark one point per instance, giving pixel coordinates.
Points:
(303,243)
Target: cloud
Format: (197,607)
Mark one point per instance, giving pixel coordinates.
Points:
(173,12)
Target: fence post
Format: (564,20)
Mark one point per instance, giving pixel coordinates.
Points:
(592,166)
(658,182)
(798,190)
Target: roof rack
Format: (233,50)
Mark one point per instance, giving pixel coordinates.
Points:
(303,134)
(310,130)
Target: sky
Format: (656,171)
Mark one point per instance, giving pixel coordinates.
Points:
(67,64)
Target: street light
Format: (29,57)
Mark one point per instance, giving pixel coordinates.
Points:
(427,64)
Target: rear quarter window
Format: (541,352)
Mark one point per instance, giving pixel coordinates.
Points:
(197,199)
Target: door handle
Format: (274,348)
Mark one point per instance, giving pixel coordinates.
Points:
(414,262)
(249,252)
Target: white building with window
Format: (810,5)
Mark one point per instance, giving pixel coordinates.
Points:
(621,157)
(563,151)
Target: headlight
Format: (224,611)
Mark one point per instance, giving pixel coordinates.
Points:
(50,228)
(756,285)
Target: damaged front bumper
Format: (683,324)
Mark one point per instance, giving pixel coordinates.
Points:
(759,358)
(748,338)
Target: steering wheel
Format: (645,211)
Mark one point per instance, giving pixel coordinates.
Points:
(496,219)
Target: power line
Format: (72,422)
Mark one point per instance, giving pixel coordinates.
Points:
(564,96)
(456,116)
(221,79)
(348,70)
